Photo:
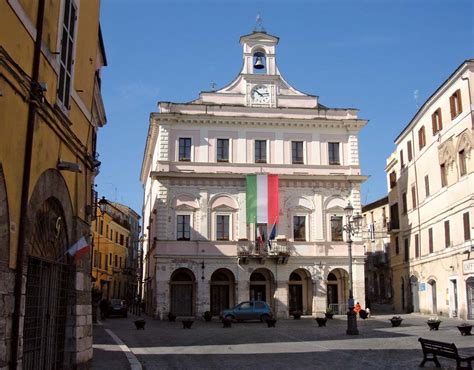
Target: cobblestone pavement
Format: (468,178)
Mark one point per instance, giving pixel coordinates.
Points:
(295,344)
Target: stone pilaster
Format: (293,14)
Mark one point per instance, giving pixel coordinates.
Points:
(353,150)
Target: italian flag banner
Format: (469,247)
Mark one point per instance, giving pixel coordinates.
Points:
(262,199)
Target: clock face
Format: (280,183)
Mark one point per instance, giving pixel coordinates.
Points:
(260,94)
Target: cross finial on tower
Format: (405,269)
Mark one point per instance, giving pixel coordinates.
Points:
(259,24)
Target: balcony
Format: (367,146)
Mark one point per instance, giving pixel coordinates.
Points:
(380,259)
(274,249)
(393,226)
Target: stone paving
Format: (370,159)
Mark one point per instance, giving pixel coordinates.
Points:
(296,344)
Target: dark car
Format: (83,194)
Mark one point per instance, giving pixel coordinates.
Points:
(248,310)
(117,307)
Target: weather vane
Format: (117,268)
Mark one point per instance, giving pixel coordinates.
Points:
(259,24)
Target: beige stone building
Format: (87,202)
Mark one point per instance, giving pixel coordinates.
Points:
(431,196)
(378,282)
(200,252)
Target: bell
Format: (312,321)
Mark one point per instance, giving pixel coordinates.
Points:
(259,64)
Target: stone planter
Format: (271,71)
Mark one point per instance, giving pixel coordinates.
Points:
(329,315)
(321,321)
(465,329)
(271,323)
(434,325)
(207,316)
(396,322)
(296,315)
(140,324)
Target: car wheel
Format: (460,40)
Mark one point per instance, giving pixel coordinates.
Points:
(264,317)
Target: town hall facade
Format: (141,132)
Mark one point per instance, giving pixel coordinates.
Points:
(201,252)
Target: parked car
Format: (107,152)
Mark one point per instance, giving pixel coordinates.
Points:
(248,310)
(117,307)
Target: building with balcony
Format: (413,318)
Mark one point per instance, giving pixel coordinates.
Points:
(115,252)
(240,187)
(377,251)
(431,180)
(51,56)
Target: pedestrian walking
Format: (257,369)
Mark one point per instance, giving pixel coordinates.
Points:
(104,306)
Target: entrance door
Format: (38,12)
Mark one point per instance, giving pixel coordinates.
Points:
(219,298)
(454,302)
(296,298)
(182,299)
(257,293)
(470,298)
(332,294)
(434,303)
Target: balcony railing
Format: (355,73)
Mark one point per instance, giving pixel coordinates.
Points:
(393,225)
(268,249)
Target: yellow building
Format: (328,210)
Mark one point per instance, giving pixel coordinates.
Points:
(51,53)
(111,261)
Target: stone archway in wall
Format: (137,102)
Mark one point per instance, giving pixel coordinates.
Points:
(414,305)
(222,290)
(337,290)
(300,292)
(432,297)
(182,292)
(49,278)
(262,286)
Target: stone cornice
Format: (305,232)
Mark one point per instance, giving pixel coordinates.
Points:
(349,124)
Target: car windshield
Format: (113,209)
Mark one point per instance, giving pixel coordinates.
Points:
(115,302)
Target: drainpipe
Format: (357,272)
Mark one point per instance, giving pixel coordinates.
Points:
(21,248)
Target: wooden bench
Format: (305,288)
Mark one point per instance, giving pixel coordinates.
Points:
(448,350)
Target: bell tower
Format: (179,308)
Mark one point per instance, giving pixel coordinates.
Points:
(259,53)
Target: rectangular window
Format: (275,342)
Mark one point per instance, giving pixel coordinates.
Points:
(427,186)
(417,247)
(404,203)
(333,154)
(447,236)
(116,237)
(467,226)
(105,260)
(462,163)
(394,217)
(116,260)
(184,149)
(430,240)
(384,218)
(106,231)
(402,163)
(421,138)
(183,231)
(101,227)
(222,227)
(406,257)
(222,150)
(95,259)
(67,48)
(299,228)
(436,121)
(397,247)
(111,234)
(260,151)
(336,228)
(121,239)
(297,152)
(409,151)
(120,262)
(413,196)
(444,177)
(393,179)
(110,259)
(455,104)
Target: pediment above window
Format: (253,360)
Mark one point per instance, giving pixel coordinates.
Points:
(447,153)
(465,142)
(185,207)
(301,208)
(223,208)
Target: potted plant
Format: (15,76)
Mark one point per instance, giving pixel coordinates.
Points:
(187,323)
(465,328)
(433,323)
(396,321)
(207,316)
(271,321)
(140,324)
(321,321)
(329,313)
(171,316)
(297,315)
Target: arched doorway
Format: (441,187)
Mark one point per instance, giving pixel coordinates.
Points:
(47,282)
(432,296)
(182,295)
(222,290)
(300,292)
(415,302)
(337,290)
(261,286)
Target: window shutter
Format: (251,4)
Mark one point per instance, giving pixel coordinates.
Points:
(452,106)
(440,119)
(458,93)
(433,122)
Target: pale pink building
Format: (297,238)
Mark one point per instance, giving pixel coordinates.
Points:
(200,254)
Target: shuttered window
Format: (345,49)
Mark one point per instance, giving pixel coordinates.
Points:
(437,121)
(447,235)
(67,48)
(455,104)
(413,196)
(467,226)
(409,151)
(430,239)
(421,138)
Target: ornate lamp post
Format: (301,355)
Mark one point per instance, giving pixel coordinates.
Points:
(351,228)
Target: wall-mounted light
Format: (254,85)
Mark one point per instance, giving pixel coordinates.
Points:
(68,166)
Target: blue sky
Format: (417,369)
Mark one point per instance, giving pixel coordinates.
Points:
(365,54)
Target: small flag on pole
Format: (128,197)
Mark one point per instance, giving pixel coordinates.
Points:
(78,249)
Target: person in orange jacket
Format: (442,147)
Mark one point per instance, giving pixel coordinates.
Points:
(357,307)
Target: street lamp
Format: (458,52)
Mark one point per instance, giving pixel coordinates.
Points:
(351,228)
